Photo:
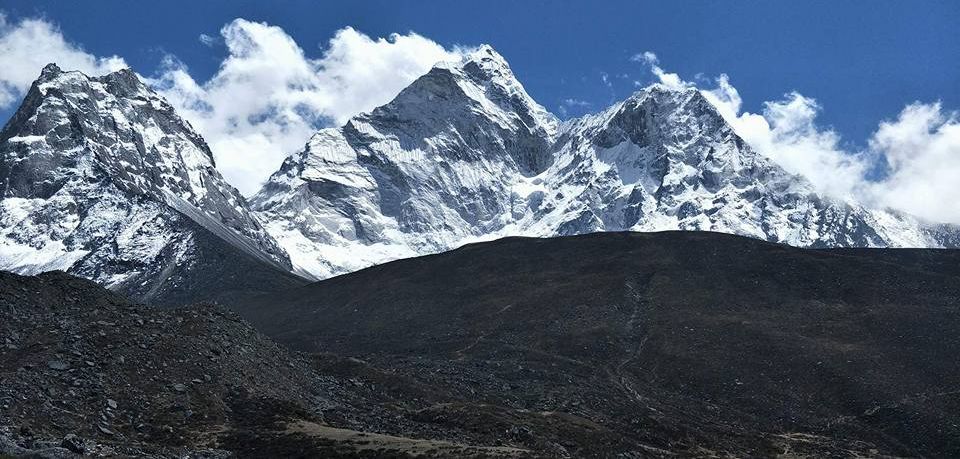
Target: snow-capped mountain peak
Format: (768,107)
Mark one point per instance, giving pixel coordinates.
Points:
(465,154)
(479,84)
(99,176)
(489,70)
(431,167)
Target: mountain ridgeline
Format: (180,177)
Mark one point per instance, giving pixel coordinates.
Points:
(101,178)
(465,154)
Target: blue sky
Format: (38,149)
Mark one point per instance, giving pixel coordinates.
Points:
(862,60)
(859,96)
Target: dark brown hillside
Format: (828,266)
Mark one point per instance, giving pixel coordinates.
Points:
(693,343)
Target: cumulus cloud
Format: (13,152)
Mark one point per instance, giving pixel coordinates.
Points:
(268,96)
(787,132)
(919,151)
(26,46)
(922,152)
(671,80)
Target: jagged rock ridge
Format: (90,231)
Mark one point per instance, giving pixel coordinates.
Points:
(101,178)
(465,154)
(433,167)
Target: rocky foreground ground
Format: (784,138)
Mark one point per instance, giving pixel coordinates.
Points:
(608,345)
(84,371)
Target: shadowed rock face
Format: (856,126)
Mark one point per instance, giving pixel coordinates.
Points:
(683,342)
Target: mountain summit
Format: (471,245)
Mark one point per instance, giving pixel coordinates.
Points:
(465,154)
(101,178)
(432,168)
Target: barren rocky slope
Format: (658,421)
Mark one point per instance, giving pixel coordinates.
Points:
(687,343)
(637,345)
(84,371)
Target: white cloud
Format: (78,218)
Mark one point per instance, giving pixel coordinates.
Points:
(605,79)
(787,132)
(26,46)
(671,80)
(921,149)
(207,40)
(646,57)
(575,103)
(268,96)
